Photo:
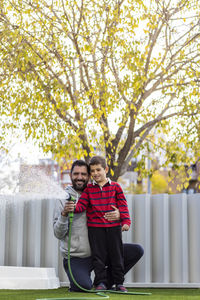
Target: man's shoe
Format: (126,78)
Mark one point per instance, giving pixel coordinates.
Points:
(121,288)
(101,287)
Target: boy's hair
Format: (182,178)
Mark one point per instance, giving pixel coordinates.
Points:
(98,160)
(80,163)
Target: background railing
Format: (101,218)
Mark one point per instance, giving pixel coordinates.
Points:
(167,226)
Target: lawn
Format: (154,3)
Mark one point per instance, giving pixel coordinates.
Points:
(62,293)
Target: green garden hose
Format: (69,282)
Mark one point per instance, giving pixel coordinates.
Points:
(99,293)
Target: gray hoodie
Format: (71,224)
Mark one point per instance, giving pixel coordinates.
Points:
(79,235)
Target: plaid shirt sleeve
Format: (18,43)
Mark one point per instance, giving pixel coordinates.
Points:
(83,202)
(122,206)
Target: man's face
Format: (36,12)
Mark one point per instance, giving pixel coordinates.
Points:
(79,178)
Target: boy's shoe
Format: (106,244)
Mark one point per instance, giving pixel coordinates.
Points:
(121,288)
(100,287)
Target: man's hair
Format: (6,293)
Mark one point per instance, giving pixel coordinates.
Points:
(98,160)
(80,163)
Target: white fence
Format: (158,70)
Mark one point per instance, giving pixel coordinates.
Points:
(167,226)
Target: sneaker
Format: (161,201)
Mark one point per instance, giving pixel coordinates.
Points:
(121,288)
(100,287)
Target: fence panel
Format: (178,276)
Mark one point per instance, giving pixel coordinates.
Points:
(167,226)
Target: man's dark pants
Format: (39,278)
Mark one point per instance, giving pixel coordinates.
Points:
(82,267)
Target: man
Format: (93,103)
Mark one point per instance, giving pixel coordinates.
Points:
(80,253)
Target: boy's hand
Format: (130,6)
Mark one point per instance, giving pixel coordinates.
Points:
(125,227)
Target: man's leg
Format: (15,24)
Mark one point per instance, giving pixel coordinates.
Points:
(81,270)
(132,254)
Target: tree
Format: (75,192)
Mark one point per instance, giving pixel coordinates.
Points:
(88,76)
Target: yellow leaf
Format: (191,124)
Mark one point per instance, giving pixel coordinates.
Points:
(111,172)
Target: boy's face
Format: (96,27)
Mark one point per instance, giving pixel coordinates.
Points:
(98,173)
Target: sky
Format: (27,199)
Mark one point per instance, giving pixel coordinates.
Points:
(28,152)
(19,151)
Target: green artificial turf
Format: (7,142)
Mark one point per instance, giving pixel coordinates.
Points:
(62,293)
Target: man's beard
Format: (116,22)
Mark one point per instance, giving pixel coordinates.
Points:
(77,187)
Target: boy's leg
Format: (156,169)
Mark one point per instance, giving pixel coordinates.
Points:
(81,270)
(114,241)
(98,244)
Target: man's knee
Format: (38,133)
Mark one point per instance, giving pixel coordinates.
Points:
(139,249)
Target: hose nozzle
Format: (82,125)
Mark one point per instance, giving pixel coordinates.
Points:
(70,198)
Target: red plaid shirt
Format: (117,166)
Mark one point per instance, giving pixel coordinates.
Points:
(97,201)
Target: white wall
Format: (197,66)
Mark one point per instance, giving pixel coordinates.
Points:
(167,226)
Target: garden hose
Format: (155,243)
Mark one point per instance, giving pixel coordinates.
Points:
(98,293)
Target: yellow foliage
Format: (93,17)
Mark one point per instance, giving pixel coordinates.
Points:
(159,183)
(111,172)
(94,73)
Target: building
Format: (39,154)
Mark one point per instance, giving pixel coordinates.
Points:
(33,178)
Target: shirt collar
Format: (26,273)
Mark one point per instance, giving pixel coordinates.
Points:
(108,181)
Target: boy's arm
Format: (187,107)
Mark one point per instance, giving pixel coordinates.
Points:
(123,208)
(125,227)
(82,203)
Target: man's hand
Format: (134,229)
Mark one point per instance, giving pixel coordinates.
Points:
(125,227)
(69,207)
(112,215)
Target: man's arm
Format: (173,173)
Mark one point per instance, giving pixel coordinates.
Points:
(69,207)
(60,221)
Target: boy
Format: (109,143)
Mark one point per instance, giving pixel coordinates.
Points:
(105,236)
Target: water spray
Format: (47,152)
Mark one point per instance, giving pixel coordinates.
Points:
(101,293)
